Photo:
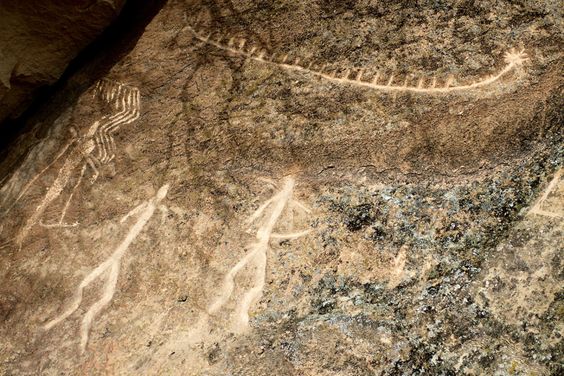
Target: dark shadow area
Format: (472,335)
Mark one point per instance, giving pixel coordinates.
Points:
(90,65)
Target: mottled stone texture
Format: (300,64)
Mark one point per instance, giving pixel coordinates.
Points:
(39,38)
(245,214)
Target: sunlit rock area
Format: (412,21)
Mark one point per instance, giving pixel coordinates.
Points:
(308,188)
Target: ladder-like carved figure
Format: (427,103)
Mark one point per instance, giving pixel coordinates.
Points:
(257,252)
(537,207)
(110,268)
(126,102)
(513,60)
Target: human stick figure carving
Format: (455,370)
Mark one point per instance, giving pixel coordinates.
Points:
(267,215)
(110,268)
(126,102)
(356,76)
(538,206)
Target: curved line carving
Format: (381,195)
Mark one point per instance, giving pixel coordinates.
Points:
(513,59)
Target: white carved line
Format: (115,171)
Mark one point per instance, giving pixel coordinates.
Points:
(52,193)
(110,267)
(28,185)
(289,236)
(256,256)
(124,98)
(229,282)
(513,59)
(127,101)
(65,208)
(537,207)
(397,268)
(99,136)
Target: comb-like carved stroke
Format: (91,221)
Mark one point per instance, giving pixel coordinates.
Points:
(513,60)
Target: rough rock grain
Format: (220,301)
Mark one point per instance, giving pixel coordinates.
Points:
(38,39)
(210,208)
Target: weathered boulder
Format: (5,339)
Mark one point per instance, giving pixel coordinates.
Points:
(296,188)
(38,39)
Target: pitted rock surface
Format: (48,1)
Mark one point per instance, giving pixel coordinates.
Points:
(230,198)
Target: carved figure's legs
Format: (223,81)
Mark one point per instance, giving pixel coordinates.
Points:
(109,290)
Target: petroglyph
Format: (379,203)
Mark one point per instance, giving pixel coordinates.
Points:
(270,212)
(397,268)
(538,206)
(513,60)
(125,100)
(110,268)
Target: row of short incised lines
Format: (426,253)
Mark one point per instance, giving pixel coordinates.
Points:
(357,76)
(126,100)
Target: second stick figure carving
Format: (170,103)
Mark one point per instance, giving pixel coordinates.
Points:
(125,101)
(110,268)
(267,216)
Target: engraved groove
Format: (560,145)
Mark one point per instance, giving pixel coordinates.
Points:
(513,59)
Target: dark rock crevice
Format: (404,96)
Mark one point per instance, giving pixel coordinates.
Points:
(18,134)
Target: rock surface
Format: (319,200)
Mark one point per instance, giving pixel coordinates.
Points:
(390,203)
(38,39)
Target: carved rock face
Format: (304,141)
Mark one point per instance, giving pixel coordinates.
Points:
(295,188)
(38,39)
(378,92)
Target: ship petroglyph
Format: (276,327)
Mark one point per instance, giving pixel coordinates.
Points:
(513,59)
(79,151)
(267,216)
(109,269)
